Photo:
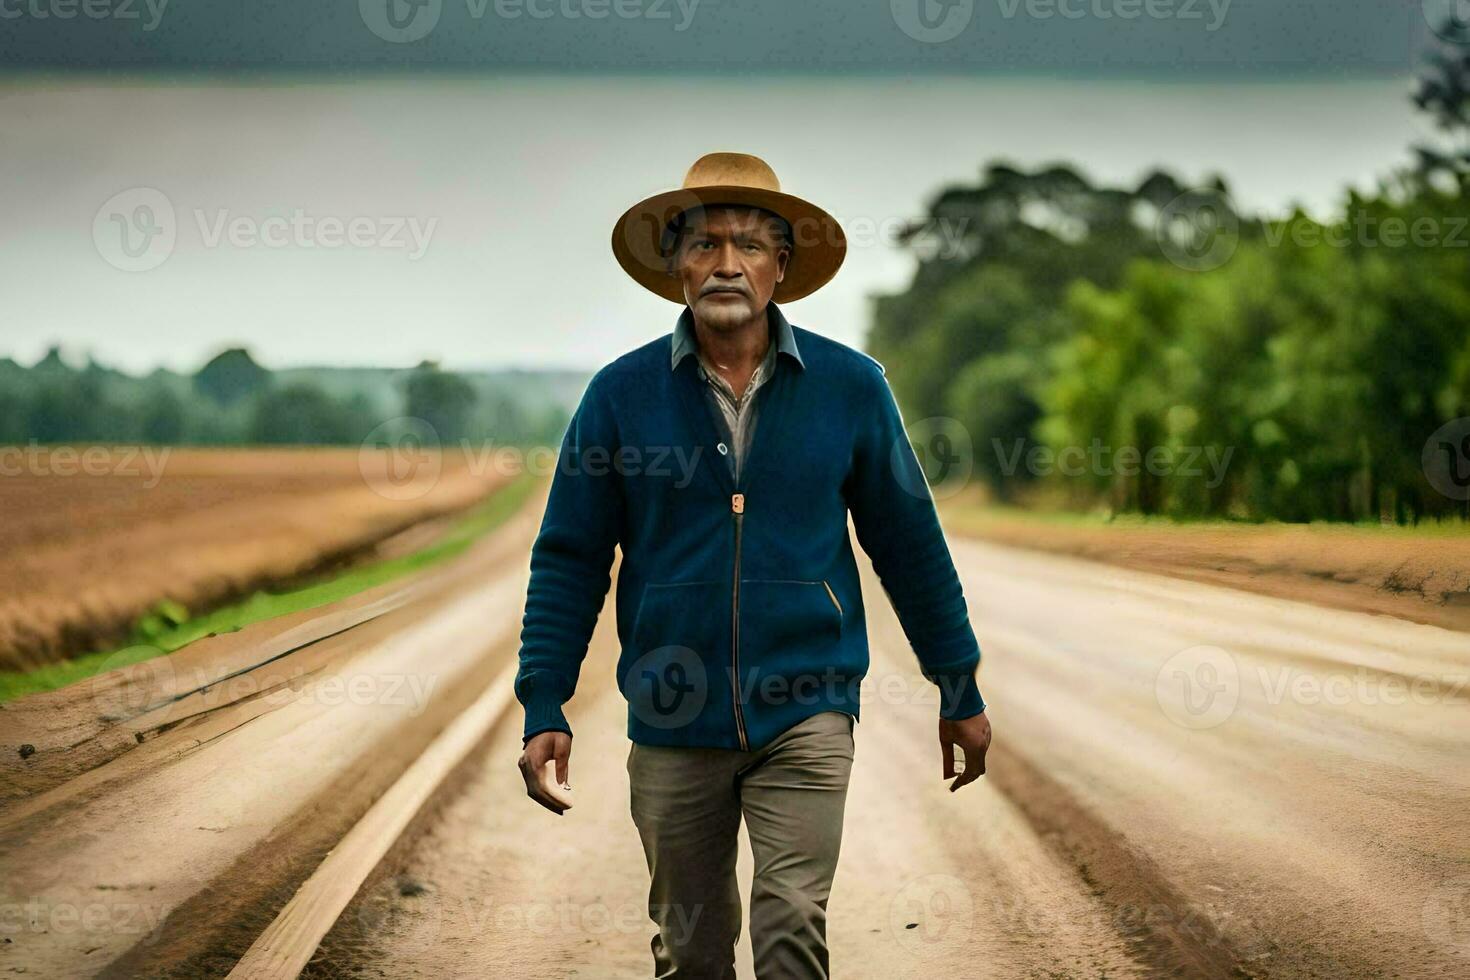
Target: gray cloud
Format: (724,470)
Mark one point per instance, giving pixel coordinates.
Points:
(1150,37)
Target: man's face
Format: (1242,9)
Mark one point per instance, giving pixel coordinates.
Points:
(729,261)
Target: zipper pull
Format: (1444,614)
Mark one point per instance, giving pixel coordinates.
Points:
(737,503)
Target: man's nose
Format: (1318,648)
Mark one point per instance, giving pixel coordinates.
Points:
(728,266)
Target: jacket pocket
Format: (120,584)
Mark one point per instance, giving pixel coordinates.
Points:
(676,651)
(788,627)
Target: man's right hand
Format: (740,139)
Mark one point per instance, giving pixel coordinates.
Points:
(539,750)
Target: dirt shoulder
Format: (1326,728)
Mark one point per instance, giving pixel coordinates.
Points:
(1421,575)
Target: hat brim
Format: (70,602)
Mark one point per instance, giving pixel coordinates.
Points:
(818,248)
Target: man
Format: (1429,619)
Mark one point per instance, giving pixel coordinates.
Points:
(739,609)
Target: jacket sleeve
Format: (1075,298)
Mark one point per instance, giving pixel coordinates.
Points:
(897,525)
(570,564)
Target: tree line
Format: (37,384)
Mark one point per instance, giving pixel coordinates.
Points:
(232,400)
(1316,357)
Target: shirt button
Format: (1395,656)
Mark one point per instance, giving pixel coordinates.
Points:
(724,449)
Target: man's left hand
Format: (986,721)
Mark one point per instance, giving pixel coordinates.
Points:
(972,735)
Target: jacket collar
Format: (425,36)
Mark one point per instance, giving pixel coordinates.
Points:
(685,341)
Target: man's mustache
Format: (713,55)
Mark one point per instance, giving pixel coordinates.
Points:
(724,288)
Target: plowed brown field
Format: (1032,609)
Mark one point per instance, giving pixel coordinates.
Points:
(90,548)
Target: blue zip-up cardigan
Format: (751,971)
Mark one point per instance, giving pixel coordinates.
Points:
(739,610)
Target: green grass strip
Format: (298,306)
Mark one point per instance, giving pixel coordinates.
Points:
(169,627)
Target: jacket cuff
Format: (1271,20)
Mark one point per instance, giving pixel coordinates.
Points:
(544,715)
(959,694)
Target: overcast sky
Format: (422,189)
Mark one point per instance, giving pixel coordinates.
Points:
(514,185)
(310,183)
(1180,37)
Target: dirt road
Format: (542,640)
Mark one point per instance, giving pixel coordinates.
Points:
(154,819)
(1188,781)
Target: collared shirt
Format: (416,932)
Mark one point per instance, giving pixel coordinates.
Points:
(737,410)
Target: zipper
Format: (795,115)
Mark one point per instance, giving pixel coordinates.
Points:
(737,516)
(737,520)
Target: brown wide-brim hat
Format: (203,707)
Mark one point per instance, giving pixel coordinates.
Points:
(641,241)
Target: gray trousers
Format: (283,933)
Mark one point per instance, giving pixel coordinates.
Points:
(688,803)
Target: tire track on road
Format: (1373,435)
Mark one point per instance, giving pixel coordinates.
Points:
(1165,932)
(1300,833)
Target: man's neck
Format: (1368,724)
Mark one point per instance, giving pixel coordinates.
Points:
(736,352)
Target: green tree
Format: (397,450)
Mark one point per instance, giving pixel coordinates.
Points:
(442,399)
(230,377)
(162,416)
(300,414)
